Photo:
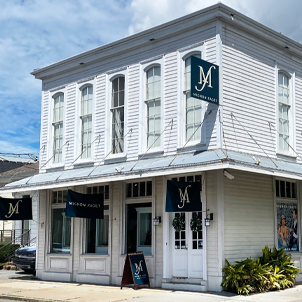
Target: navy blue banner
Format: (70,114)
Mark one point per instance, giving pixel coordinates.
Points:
(16,208)
(85,205)
(183,196)
(204,80)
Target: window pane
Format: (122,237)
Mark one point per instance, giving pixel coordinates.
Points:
(149,188)
(61,231)
(135,189)
(129,190)
(142,186)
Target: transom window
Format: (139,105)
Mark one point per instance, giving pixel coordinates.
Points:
(98,190)
(117,109)
(153,102)
(286,189)
(86,121)
(58,113)
(139,189)
(193,106)
(284,109)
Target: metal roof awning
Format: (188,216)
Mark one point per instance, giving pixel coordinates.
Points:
(166,165)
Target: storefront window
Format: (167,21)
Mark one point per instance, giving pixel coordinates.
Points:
(287,215)
(61,231)
(60,224)
(97,234)
(139,228)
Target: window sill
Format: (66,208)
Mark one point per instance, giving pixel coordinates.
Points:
(55,168)
(116,158)
(59,255)
(93,255)
(151,154)
(83,164)
(288,157)
(192,147)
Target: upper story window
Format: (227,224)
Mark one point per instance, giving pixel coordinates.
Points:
(153,102)
(193,106)
(117,111)
(58,113)
(86,120)
(284,107)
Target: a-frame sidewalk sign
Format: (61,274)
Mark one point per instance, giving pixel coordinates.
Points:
(135,270)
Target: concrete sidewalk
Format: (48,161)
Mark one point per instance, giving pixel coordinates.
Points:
(20,286)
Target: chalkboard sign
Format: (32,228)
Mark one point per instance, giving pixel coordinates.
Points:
(135,270)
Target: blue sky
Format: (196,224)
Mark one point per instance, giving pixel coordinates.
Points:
(36,33)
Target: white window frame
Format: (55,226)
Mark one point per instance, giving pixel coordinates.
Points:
(107,202)
(54,206)
(183,54)
(50,154)
(78,122)
(137,200)
(144,67)
(111,76)
(291,112)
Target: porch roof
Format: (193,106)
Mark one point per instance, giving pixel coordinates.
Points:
(164,165)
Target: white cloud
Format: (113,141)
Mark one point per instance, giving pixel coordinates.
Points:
(282,16)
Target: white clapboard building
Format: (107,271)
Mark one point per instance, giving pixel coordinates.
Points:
(120,120)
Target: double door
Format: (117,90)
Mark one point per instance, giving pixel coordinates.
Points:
(187,248)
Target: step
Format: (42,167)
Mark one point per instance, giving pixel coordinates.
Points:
(196,285)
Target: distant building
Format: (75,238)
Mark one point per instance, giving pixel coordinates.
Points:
(14,168)
(120,120)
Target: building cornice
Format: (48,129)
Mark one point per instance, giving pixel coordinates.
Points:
(161,32)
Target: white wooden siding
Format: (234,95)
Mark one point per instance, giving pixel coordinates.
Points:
(170,106)
(249,215)
(69,126)
(210,56)
(249,91)
(100,112)
(44,128)
(132,113)
(298,116)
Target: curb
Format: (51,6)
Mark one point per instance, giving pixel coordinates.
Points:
(26,299)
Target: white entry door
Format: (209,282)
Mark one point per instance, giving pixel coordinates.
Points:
(187,249)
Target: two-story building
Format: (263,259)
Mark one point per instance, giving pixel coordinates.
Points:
(120,120)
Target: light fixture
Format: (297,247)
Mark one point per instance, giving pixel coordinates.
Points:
(156,220)
(208,219)
(228,175)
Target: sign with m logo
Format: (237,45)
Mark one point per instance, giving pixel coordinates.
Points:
(15,208)
(204,80)
(183,196)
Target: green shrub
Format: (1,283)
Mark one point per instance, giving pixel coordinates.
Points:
(274,270)
(7,252)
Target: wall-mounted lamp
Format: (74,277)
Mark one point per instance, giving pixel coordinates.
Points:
(208,219)
(157,220)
